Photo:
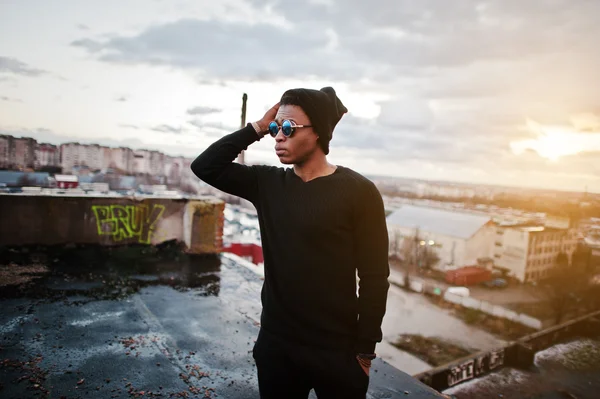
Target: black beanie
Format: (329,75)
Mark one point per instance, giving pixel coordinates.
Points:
(323,108)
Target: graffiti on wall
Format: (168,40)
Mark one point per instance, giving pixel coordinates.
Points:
(126,222)
(475,367)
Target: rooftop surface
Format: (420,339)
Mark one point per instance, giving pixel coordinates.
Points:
(82,324)
(445,222)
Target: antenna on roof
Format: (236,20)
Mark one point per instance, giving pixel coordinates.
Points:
(241,159)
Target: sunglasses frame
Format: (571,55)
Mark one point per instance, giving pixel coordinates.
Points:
(293,127)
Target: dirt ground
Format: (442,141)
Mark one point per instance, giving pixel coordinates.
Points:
(503,296)
(13,274)
(433,350)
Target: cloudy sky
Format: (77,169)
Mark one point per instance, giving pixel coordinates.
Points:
(496,91)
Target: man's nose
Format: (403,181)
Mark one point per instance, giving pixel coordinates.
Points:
(280,136)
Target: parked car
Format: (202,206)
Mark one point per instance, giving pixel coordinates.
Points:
(496,283)
(460,291)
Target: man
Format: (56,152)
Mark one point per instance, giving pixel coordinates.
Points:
(320,223)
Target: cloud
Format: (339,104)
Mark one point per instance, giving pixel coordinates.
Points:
(586,122)
(454,81)
(452,51)
(129,126)
(224,51)
(83,27)
(121,99)
(10,99)
(9,79)
(17,67)
(201,110)
(164,128)
(406,114)
(90,45)
(208,127)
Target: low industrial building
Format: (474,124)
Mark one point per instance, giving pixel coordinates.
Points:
(458,238)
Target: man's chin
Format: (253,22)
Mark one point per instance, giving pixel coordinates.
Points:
(285,160)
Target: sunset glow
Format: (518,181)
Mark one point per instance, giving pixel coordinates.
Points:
(554,142)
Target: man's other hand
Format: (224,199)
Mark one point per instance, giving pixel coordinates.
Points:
(364,364)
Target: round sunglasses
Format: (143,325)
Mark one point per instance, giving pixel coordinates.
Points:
(287,127)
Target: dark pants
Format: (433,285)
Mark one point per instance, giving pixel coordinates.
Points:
(289,370)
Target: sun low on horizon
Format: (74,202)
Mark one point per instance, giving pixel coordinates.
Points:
(554,142)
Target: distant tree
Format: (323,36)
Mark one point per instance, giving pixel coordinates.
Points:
(564,287)
(405,251)
(428,257)
(581,258)
(55,170)
(26,181)
(188,188)
(416,254)
(591,298)
(395,248)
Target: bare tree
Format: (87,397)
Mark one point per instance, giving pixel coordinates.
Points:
(413,252)
(407,250)
(428,257)
(395,247)
(564,287)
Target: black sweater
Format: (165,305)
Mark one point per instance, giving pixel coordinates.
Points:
(315,235)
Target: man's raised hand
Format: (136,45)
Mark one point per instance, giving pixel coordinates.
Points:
(263,124)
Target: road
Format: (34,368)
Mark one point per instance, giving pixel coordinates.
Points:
(412,313)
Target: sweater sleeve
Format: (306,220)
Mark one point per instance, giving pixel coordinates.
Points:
(216,166)
(371,238)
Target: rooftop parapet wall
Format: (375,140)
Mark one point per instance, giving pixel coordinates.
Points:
(109,221)
(517,354)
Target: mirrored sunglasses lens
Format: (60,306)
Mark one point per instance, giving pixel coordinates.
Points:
(273,129)
(287,128)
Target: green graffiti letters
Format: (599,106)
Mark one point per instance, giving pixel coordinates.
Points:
(124,222)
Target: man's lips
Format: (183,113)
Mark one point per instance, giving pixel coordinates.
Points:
(279,151)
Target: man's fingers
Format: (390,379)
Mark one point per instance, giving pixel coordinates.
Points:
(270,114)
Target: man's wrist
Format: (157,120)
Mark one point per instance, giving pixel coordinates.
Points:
(260,130)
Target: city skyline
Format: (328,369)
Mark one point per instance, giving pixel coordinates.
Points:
(397,178)
(477,92)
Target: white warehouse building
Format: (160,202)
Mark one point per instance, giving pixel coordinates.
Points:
(458,238)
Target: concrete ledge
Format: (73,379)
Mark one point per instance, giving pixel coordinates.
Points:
(111,221)
(518,354)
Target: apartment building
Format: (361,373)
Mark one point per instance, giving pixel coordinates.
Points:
(141,162)
(529,252)
(46,155)
(157,163)
(5,151)
(174,169)
(76,155)
(17,152)
(120,158)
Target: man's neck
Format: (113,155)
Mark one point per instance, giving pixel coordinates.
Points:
(316,166)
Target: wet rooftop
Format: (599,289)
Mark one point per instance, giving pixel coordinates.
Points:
(137,322)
